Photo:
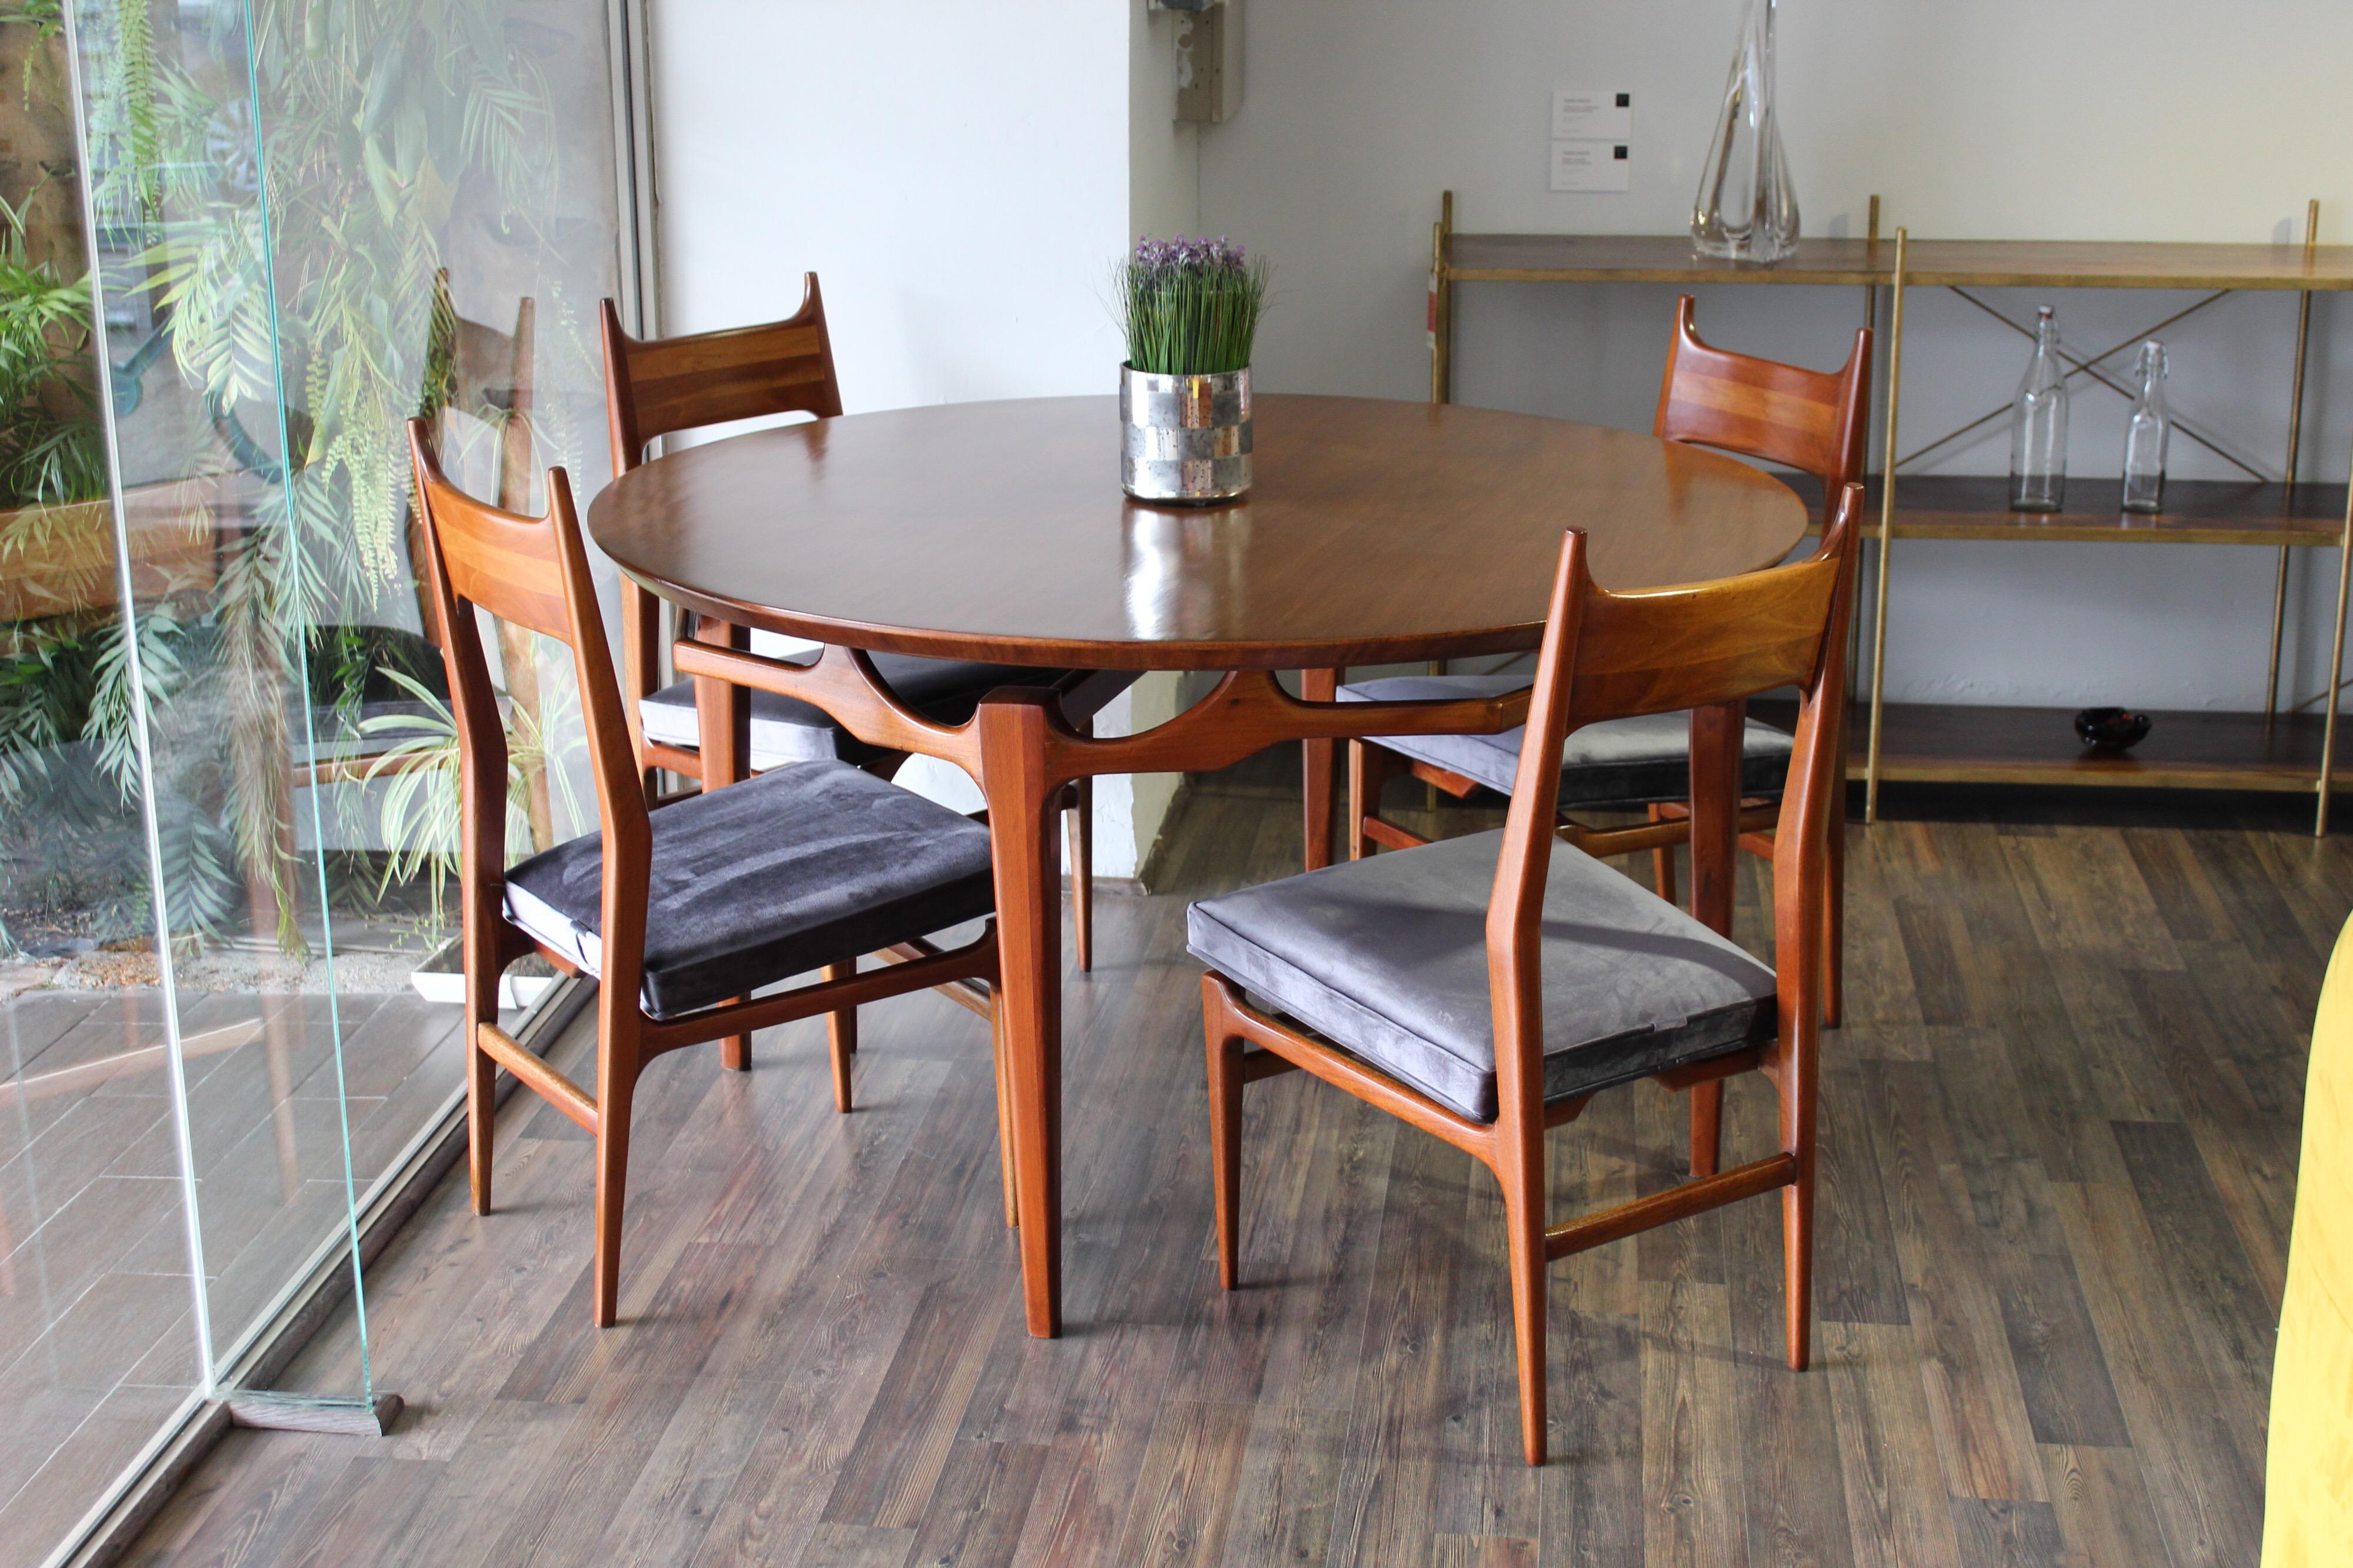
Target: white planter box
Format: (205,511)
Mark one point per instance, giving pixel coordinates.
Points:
(442,978)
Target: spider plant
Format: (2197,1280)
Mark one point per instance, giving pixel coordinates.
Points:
(421,804)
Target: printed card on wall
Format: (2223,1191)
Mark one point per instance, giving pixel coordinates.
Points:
(1591,166)
(1592,114)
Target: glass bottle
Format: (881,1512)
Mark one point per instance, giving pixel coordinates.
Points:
(1747,209)
(2038,424)
(2146,433)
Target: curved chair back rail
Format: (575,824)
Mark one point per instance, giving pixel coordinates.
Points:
(659,386)
(1811,420)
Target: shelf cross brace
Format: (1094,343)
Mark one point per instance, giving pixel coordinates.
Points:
(2090,367)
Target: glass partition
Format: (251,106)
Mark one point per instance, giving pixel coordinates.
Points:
(100,1346)
(243,241)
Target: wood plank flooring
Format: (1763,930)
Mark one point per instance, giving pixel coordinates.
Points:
(2060,1148)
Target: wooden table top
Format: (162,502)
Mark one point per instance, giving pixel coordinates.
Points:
(1377,531)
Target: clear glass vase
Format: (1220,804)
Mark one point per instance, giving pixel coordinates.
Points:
(1747,207)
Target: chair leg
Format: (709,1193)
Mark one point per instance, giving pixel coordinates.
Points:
(1225,1131)
(1795,1081)
(616,1086)
(841,1036)
(1078,824)
(1706,1127)
(481,1109)
(1797,1263)
(1364,797)
(1834,911)
(483,967)
(1370,768)
(1523,1219)
(1663,864)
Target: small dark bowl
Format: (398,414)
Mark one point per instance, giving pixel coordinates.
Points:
(2111,729)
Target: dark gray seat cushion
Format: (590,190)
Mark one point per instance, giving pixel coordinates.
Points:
(809,863)
(787,730)
(1386,957)
(1619,762)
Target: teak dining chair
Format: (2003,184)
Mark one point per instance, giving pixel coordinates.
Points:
(1484,988)
(1812,421)
(657,387)
(674,911)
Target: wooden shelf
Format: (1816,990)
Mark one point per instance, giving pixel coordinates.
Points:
(2120,264)
(2197,512)
(1933,263)
(2008,746)
(1933,744)
(1653,259)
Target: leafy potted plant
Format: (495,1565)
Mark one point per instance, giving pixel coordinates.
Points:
(1191,308)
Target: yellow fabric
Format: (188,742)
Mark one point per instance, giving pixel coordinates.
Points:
(2308,1488)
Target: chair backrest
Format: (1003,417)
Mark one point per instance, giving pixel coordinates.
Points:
(492,375)
(476,369)
(1610,656)
(530,572)
(654,388)
(1811,420)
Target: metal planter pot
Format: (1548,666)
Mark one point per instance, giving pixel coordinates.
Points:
(1187,439)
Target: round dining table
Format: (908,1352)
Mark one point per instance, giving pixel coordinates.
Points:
(1375,533)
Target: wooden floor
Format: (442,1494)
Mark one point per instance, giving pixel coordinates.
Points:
(2059,1143)
(97,1345)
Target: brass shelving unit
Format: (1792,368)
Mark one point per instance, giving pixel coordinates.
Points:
(2290,751)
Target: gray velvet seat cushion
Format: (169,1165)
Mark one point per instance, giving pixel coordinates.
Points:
(1617,762)
(810,864)
(1386,957)
(787,730)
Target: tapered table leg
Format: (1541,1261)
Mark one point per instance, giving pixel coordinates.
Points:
(724,723)
(1316,760)
(1021,796)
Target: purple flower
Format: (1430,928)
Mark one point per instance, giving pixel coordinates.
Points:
(1157,258)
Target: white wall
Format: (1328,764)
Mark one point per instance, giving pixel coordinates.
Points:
(1164,198)
(957,176)
(2095,119)
(961,177)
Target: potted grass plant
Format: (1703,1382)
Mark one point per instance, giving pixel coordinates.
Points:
(1190,309)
